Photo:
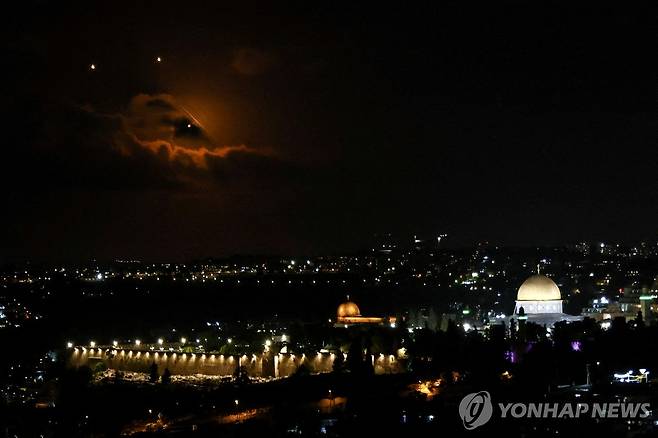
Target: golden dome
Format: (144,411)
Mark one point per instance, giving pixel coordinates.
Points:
(348,309)
(538,288)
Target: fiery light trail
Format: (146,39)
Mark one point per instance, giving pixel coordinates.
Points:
(194,119)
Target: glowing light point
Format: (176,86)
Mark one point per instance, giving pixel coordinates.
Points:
(138,342)
(158,59)
(160,341)
(92,67)
(69,345)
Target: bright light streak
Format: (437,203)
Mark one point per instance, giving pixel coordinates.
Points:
(191,116)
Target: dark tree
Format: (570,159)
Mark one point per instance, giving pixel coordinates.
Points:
(166,376)
(153,373)
(339,363)
(639,320)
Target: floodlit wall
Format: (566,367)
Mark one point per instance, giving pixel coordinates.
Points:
(263,365)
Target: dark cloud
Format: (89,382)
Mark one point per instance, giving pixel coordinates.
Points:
(157,102)
(152,144)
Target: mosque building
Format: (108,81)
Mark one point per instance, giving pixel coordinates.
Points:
(539,300)
(349,314)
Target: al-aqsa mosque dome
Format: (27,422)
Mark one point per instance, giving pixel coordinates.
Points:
(348,314)
(348,309)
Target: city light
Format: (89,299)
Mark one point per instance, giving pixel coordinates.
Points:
(92,344)
(138,342)
(160,341)
(630,377)
(69,345)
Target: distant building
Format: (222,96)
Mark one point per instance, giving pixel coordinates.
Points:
(424,318)
(604,311)
(539,300)
(348,314)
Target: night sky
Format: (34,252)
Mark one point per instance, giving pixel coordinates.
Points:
(311,130)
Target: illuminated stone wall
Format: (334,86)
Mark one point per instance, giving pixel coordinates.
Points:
(263,365)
